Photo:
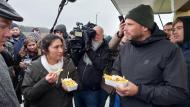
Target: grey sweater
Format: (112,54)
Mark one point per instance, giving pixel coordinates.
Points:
(7,94)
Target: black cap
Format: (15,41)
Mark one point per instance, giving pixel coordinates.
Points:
(6,11)
(142,14)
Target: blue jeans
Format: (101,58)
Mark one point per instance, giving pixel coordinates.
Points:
(103,97)
(87,98)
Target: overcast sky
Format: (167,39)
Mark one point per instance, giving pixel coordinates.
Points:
(42,13)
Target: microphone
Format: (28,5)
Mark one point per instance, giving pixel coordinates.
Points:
(61,5)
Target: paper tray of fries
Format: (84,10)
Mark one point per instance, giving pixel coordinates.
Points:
(69,84)
(115,80)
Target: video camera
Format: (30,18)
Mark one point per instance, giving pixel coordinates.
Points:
(83,35)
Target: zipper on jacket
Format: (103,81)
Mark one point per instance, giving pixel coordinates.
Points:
(84,71)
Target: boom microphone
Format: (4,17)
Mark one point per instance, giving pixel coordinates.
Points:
(61,5)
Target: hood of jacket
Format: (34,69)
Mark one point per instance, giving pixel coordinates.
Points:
(186,26)
(62,28)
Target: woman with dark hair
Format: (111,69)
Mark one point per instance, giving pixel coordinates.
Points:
(42,83)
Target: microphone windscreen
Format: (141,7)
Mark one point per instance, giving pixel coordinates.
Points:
(71,0)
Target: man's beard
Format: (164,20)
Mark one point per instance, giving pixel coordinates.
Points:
(133,37)
(15,36)
(136,38)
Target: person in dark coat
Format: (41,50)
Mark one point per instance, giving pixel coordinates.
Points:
(7,94)
(154,66)
(61,31)
(18,41)
(182,38)
(42,83)
(90,70)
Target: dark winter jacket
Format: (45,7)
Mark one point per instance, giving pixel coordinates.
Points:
(157,67)
(39,93)
(19,73)
(91,75)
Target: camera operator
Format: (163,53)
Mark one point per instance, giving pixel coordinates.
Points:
(81,38)
(90,70)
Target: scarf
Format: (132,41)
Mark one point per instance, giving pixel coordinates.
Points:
(51,68)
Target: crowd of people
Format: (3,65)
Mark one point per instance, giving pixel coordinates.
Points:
(155,62)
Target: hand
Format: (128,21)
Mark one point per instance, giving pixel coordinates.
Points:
(64,88)
(51,78)
(130,90)
(22,65)
(172,39)
(121,29)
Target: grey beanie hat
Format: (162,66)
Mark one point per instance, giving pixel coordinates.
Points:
(6,11)
(142,14)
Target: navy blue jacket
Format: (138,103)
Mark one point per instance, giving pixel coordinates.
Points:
(18,45)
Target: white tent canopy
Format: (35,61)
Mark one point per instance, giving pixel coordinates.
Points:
(159,6)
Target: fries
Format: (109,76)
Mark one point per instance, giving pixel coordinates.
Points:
(115,80)
(69,84)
